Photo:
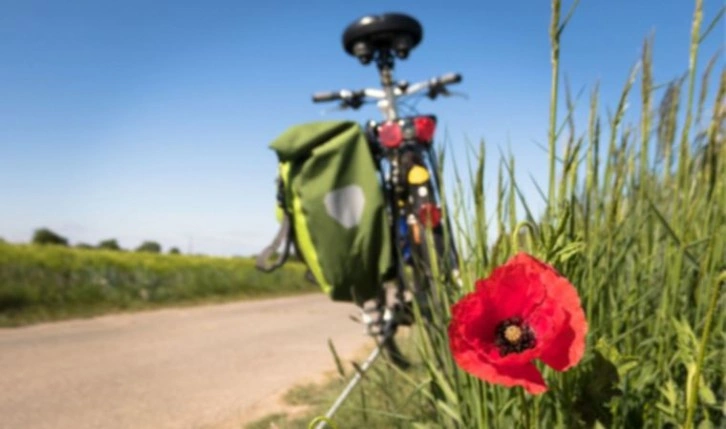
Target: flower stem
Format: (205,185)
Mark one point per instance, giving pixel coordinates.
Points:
(692,398)
(525,407)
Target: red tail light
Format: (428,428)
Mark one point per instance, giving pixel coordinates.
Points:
(425,127)
(390,135)
(430,215)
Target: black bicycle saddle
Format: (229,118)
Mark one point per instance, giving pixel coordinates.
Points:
(387,32)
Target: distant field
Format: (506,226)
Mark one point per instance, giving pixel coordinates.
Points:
(39,283)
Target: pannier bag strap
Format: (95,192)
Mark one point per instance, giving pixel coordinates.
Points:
(282,237)
(311,278)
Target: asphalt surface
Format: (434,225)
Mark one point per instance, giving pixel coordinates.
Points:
(202,367)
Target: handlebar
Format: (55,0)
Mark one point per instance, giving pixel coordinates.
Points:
(450,78)
(343,94)
(435,86)
(319,97)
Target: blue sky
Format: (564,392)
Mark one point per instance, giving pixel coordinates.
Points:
(144,120)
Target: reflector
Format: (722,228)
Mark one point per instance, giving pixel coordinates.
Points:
(425,127)
(430,215)
(390,135)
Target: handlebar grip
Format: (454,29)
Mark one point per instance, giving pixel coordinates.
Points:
(450,78)
(325,96)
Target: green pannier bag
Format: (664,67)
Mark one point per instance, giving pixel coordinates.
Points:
(331,207)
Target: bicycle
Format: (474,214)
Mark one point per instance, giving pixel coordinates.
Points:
(403,149)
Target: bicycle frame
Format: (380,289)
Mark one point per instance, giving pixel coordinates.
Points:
(398,208)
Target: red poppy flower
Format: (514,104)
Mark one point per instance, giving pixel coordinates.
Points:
(523,311)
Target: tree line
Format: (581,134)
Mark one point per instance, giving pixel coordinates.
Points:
(45,236)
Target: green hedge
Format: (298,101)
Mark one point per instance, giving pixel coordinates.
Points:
(49,282)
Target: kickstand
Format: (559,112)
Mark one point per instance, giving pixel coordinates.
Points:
(349,388)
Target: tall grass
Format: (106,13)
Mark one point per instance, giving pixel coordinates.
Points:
(635,218)
(50,282)
(642,236)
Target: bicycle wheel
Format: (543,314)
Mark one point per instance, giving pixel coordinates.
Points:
(424,251)
(434,258)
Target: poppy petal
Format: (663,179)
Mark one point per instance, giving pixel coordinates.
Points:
(472,326)
(546,321)
(515,287)
(561,354)
(566,348)
(525,375)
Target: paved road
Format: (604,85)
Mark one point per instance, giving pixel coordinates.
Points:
(201,367)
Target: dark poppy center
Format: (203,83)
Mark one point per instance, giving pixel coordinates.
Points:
(514,336)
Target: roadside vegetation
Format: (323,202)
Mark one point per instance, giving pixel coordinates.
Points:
(51,282)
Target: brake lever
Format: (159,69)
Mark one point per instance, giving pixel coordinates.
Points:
(442,90)
(461,94)
(354,102)
(436,90)
(339,108)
